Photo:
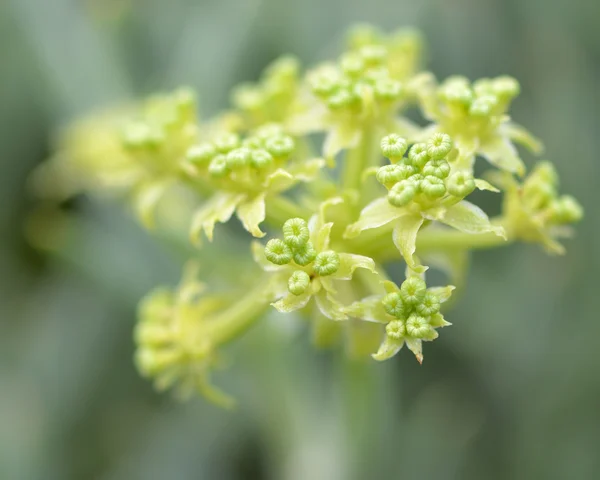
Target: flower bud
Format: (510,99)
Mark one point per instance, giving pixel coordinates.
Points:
(418,327)
(298,282)
(483,106)
(506,87)
(418,155)
(433,187)
(393,147)
(238,158)
(218,167)
(295,233)
(395,329)
(393,304)
(261,159)
(460,184)
(201,154)
(437,168)
(388,175)
(402,193)
(566,210)
(352,64)
(373,54)
(305,254)
(456,90)
(439,145)
(227,142)
(429,306)
(280,146)
(387,89)
(278,252)
(326,263)
(412,290)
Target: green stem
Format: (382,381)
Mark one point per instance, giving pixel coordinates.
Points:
(242,314)
(280,209)
(383,249)
(357,159)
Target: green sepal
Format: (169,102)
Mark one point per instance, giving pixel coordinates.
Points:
(251,213)
(370,309)
(405,239)
(501,153)
(388,348)
(469,218)
(349,262)
(146,199)
(219,208)
(522,136)
(338,139)
(483,185)
(376,214)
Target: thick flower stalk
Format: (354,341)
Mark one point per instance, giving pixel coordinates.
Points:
(376,188)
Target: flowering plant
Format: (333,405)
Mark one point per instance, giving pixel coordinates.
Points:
(327,165)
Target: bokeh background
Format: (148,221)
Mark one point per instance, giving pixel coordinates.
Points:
(511,391)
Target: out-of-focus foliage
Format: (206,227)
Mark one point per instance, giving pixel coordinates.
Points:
(512,397)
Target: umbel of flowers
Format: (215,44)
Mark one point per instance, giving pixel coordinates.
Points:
(336,208)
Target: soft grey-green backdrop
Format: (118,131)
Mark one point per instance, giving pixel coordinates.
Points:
(487,402)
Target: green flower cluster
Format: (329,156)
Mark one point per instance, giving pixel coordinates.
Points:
(341,231)
(476,115)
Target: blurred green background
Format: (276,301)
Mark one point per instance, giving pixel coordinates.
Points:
(511,391)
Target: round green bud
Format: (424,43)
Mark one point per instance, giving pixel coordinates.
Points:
(278,252)
(227,142)
(437,168)
(280,146)
(429,306)
(201,154)
(393,304)
(341,99)
(326,263)
(439,145)
(456,90)
(388,175)
(238,158)
(567,210)
(324,82)
(483,106)
(141,135)
(546,172)
(538,193)
(418,155)
(253,143)
(402,193)
(295,232)
(298,282)
(305,254)
(218,167)
(395,329)
(268,131)
(248,97)
(352,64)
(418,327)
(433,187)
(261,159)
(373,54)
(506,87)
(393,146)
(387,89)
(412,290)
(460,184)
